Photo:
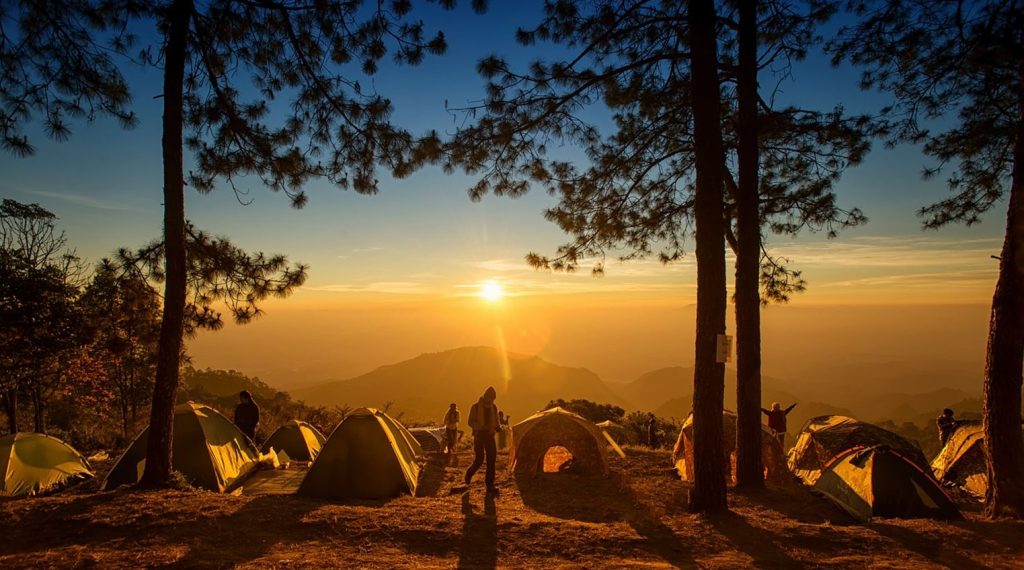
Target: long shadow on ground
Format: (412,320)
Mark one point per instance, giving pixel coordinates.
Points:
(941,551)
(479,546)
(109,519)
(752,541)
(598,499)
(572,496)
(269,520)
(796,502)
(56,524)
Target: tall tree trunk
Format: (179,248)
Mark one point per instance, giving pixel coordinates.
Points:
(1003,365)
(709,488)
(123,395)
(158,452)
(749,471)
(124,418)
(38,410)
(10,398)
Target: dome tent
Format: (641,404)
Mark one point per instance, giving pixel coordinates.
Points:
(771,452)
(962,460)
(34,463)
(397,427)
(880,482)
(430,438)
(368,456)
(300,440)
(209,450)
(824,437)
(556,427)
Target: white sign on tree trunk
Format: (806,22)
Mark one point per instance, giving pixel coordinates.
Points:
(723,349)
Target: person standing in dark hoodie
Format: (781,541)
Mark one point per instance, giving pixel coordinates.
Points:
(483,420)
(247,415)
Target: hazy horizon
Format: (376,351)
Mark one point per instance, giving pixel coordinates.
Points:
(304,346)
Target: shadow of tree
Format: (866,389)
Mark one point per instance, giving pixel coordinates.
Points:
(599,499)
(660,539)
(588,498)
(479,546)
(753,541)
(939,550)
(269,520)
(52,524)
(107,518)
(798,503)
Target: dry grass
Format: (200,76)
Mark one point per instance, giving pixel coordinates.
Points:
(634,518)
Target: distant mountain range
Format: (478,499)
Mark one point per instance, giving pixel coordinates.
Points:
(422,387)
(676,382)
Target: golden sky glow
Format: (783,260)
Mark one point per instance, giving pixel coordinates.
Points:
(309,339)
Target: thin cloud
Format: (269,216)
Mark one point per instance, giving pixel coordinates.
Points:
(949,279)
(367,249)
(389,287)
(892,252)
(87,201)
(503,265)
(632,268)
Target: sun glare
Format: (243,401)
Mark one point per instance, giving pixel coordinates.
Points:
(491,291)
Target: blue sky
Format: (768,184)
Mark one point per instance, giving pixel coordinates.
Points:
(423,233)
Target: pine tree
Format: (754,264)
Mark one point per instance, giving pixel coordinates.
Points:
(335,127)
(635,198)
(709,460)
(218,274)
(749,468)
(956,73)
(58,64)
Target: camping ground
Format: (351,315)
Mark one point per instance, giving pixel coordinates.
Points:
(634,518)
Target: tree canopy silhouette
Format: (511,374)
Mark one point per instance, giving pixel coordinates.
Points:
(58,62)
(225,64)
(956,73)
(41,323)
(593,411)
(218,274)
(124,311)
(635,197)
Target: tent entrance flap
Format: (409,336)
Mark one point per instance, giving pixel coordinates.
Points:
(556,459)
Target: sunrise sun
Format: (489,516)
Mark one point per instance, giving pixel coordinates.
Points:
(491,291)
